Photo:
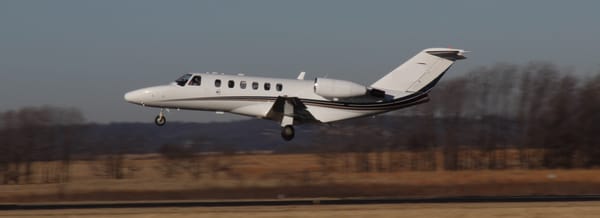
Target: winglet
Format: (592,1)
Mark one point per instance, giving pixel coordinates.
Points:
(301,75)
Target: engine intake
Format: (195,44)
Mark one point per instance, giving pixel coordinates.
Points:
(333,88)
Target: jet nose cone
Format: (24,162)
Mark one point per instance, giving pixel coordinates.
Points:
(134,97)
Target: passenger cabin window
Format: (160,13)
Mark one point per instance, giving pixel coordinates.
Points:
(218,83)
(231,84)
(255,85)
(181,81)
(279,87)
(195,81)
(267,86)
(243,84)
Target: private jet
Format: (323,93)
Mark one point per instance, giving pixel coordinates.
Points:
(297,101)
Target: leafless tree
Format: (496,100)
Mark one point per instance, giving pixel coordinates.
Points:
(35,134)
(588,122)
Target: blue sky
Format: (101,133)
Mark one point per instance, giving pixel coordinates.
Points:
(86,54)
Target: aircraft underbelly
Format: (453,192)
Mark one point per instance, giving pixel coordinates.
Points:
(326,114)
(253,109)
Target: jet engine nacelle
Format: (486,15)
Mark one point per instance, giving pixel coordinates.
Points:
(333,88)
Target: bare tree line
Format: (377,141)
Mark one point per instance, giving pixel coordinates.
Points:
(478,120)
(38,145)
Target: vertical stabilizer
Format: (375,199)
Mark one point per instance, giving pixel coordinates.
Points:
(420,72)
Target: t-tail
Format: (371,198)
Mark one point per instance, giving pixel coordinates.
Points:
(421,72)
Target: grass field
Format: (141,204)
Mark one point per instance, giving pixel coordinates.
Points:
(288,176)
(478,210)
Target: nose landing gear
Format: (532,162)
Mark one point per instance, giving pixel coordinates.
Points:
(160,120)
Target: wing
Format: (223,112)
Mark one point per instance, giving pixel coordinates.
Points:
(288,109)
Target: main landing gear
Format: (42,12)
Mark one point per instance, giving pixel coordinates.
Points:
(160,120)
(287,132)
(287,120)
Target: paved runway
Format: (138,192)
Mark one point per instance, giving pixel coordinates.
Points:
(296,202)
(430,210)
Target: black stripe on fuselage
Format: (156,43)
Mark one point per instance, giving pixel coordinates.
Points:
(389,105)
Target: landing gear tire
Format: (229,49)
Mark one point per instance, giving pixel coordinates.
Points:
(287,132)
(160,120)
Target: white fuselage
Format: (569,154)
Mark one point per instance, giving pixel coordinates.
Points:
(253,99)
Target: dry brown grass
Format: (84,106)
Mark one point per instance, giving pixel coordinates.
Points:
(293,175)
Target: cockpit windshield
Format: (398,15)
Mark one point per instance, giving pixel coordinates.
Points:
(183,79)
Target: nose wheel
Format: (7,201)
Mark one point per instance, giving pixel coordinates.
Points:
(160,120)
(287,132)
